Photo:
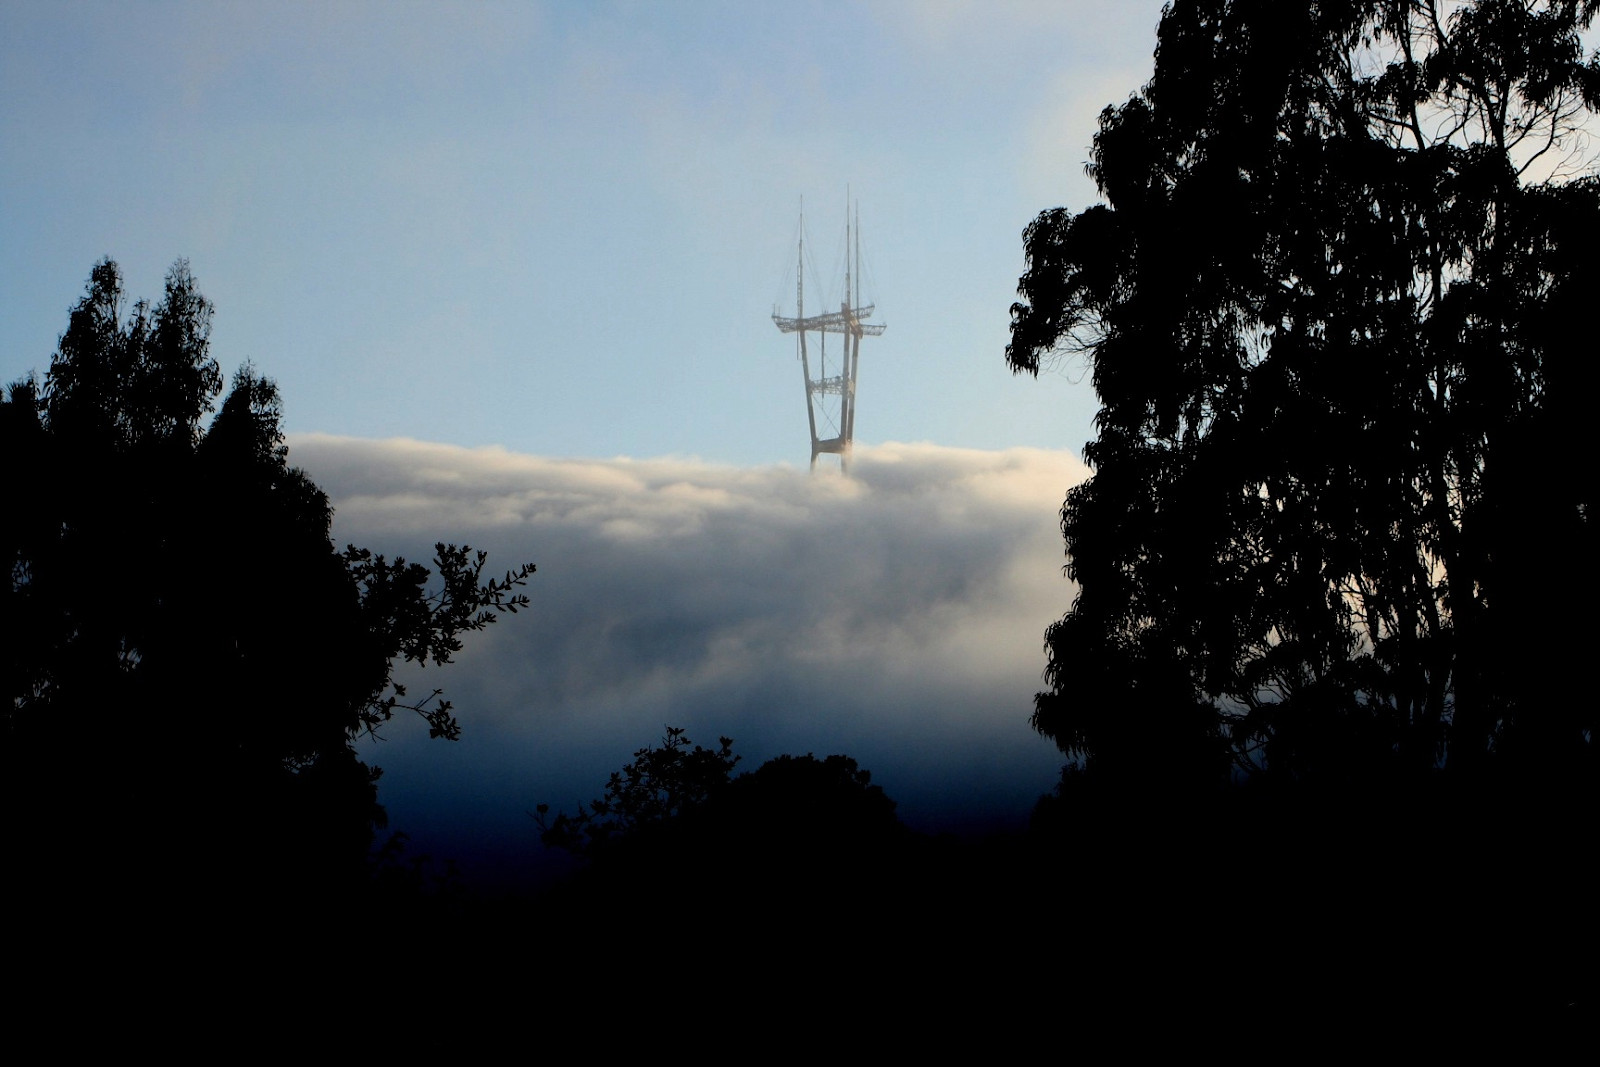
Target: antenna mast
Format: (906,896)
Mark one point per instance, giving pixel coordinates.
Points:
(833,399)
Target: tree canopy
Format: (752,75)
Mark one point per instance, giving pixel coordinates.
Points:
(664,783)
(687,796)
(1335,306)
(678,831)
(189,658)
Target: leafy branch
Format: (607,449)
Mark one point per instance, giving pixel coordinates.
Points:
(420,627)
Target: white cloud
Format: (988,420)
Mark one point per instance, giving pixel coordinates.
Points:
(896,615)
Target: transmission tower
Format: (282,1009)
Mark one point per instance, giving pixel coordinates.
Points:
(831,399)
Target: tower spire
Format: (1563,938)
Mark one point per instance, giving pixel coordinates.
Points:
(831,400)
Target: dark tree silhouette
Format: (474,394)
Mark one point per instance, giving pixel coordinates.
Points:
(1336,309)
(188,658)
(810,804)
(672,792)
(678,829)
(663,784)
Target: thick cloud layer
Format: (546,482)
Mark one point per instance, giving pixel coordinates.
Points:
(895,615)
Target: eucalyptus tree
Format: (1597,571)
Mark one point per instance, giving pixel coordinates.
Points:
(1337,305)
(189,658)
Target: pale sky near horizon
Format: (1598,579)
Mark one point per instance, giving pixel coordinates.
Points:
(562,228)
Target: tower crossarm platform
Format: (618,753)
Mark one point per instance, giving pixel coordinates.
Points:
(834,322)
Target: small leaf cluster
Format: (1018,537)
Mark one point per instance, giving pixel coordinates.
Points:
(425,627)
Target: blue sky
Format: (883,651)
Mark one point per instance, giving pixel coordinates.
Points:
(562,228)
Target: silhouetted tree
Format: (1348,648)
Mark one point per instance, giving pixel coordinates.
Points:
(675,827)
(802,802)
(687,794)
(664,783)
(1336,310)
(188,657)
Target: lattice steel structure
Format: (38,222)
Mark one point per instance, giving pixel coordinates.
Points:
(838,415)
